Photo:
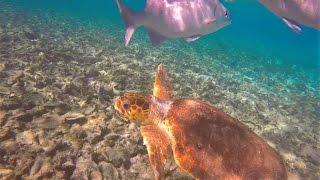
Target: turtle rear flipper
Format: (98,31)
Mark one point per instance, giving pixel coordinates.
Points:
(162,84)
(159,149)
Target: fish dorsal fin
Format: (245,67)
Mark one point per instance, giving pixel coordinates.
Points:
(162,84)
(155,37)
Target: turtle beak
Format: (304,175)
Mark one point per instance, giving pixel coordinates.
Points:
(114,101)
(119,116)
(117,110)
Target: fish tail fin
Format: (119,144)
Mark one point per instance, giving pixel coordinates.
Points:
(131,19)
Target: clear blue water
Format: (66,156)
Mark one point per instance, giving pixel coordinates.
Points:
(253,28)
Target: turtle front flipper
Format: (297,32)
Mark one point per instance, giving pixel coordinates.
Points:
(162,84)
(159,149)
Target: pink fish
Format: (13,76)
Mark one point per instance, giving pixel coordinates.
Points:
(170,19)
(295,12)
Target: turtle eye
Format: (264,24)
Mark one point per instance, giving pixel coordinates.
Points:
(125,106)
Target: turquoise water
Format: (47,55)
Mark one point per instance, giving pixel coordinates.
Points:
(253,28)
(256,70)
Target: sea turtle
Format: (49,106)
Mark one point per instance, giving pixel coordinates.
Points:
(205,142)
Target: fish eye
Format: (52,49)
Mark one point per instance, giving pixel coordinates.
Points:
(226,13)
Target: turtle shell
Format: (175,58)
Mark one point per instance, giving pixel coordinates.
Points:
(209,144)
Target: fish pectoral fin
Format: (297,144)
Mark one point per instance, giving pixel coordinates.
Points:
(155,37)
(292,25)
(209,21)
(192,38)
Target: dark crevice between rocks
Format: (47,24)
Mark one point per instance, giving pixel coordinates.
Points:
(57,146)
(99,138)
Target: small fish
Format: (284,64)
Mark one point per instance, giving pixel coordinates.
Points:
(170,19)
(295,12)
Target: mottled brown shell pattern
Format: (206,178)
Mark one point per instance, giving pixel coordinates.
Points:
(209,144)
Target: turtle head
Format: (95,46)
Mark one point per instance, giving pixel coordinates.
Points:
(147,109)
(133,106)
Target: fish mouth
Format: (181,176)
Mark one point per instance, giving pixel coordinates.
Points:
(225,23)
